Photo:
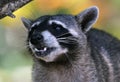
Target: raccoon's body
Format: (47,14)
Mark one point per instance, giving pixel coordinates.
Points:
(66,49)
(106,55)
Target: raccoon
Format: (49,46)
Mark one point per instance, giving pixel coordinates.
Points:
(65,48)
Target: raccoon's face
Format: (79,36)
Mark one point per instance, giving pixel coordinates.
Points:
(51,37)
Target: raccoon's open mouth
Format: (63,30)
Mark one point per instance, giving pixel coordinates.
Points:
(41,52)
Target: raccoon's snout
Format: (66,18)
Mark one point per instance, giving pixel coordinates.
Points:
(37,39)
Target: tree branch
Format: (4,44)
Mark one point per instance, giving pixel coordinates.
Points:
(7,7)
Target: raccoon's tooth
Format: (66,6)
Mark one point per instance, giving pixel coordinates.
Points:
(45,48)
(36,49)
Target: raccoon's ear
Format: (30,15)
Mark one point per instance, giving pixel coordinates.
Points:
(27,23)
(87,18)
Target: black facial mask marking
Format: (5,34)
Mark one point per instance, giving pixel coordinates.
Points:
(56,29)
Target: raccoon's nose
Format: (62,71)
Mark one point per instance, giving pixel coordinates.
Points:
(36,39)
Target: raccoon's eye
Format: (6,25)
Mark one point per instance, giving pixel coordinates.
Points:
(57,27)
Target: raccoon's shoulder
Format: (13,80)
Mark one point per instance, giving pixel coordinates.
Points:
(99,38)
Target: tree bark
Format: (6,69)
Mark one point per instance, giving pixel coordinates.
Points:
(7,7)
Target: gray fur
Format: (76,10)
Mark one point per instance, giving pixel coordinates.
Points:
(27,23)
(95,56)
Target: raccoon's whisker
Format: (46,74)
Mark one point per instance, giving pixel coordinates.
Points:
(68,58)
(61,38)
(67,37)
(26,46)
(62,41)
(72,40)
(63,35)
(67,41)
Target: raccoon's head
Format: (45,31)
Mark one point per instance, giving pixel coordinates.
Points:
(57,36)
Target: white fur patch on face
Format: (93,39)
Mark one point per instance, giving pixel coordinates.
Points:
(49,39)
(36,23)
(57,22)
(73,32)
(54,55)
